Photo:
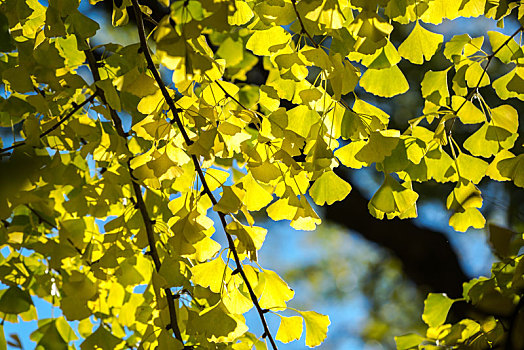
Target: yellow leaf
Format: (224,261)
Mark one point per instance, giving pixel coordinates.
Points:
(251,238)
(384,82)
(468,113)
(211,274)
(346,154)
(505,117)
(316,327)
(420,45)
(266,42)
(329,188)
(290,329)
(461,221)
(256,196)
(276,291)
(215,178)
(230,201)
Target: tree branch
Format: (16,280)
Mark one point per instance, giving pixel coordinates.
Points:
(304,31)
(139,198)
(75,109)
(484,71)
(207,191)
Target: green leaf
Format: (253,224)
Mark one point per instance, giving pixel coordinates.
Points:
(3,344)
(15,301)
(100,339)
(6,41)
(393,199)
(387,82)
(500,239)
(408,341)
(420,45)
(436,308)
(316,327)
(110,93)
(290,329)
(329,188)
(513,168)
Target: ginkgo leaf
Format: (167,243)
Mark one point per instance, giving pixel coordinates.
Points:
(276,292)
(216,178)
(471,217)
(420,45)
(101,339)
(464,195)
(408,341)
(110,93)
(487,141)
(242,14)
(347,154)
(316,327)
(251,237)
(434,87)
(211,274)
(384,82)
(329,188)
(476,76)
(436,308)
(471,168)
(513,168)
(380,145)
(392,199)
(505,117)
(256,197)
(266,42)
(506,49)
(290,329)
(493,171)
(467,112)
(15,300)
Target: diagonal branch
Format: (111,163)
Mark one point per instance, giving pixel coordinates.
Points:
(207,191)
(75,109)
(139,198)
(303,31)
(484,71)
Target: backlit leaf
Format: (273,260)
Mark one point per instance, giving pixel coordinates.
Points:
(420,45)
(436,308)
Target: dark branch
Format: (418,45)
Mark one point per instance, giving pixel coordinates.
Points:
(139,198)
(178,121)
(75,109)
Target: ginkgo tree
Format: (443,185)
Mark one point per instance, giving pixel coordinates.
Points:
(142,165)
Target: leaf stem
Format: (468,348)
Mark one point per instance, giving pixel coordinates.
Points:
(207,190)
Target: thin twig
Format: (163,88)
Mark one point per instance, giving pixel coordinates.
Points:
(303,31)
(75,109)
(207,191)
(484,71)
(139,198)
